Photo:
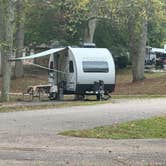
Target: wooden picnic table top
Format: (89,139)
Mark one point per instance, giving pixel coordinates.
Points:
(39,86)
(37,89)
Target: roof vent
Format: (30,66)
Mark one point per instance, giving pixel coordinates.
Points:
(89,45)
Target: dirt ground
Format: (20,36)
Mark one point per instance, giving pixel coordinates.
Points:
(149,86)
(154,84)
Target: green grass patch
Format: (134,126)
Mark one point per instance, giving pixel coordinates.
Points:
(141,129)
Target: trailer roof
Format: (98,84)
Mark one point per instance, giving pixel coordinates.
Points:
(90,53)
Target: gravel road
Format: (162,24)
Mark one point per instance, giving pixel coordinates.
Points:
(30,138)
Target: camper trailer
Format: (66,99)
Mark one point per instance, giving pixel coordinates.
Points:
(83,71)
(79,71)
(156,56)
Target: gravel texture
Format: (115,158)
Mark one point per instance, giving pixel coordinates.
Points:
(30,138)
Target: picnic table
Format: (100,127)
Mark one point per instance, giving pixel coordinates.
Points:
(37,90)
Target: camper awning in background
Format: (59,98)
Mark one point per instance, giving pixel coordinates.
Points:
(38,55)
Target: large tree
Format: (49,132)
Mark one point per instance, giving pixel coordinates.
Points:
(6,44)
(144,11)
(135,15)
(19,36)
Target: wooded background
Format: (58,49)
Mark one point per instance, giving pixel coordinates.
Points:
(123,26)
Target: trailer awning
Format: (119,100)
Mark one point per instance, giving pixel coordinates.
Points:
(38,55)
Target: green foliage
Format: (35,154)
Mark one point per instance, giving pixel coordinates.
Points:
(40,24)
(109,35)
(157,24)
(65,21)
(121,62)
(57,21)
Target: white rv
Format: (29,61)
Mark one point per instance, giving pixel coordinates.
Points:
(80,71)
(154,55)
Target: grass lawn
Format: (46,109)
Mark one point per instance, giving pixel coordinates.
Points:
(141,129)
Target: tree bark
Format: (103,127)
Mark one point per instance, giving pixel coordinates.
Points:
(1,34)
(20,20)
(138,50)
(6,35)
(90,30)
(142,50)
(0,64)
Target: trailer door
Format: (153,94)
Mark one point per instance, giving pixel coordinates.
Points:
(71,78)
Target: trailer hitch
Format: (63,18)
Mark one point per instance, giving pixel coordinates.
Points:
(99,89)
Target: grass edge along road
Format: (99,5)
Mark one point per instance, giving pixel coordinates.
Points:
(41,105)
(140,129)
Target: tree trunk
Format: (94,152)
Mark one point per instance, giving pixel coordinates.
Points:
(90,30)
(142,50)
(6,35)
(6,72)
(138,54)
(134,58)
(0,64)
(20,16)
(1,34)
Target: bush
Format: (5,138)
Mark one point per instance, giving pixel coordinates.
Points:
(121,62)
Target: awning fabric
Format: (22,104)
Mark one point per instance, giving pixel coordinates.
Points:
(38,55)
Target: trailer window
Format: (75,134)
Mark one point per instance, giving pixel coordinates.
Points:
(51,66)
(95,66)
(71,67)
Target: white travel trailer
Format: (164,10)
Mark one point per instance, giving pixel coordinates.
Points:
(80,71)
